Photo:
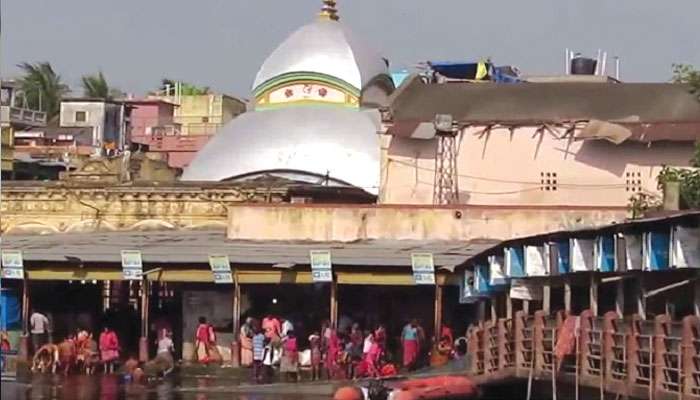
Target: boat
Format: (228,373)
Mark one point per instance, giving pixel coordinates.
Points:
(438,387)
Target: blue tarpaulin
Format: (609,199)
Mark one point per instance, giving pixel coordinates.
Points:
(474,71)
(10,310)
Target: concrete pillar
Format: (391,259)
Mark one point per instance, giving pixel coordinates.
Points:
(526,307)
(641,300)
(567,295)
(143,341)
(593,297)
(235,345)
(509,306)
(24,353)
(547,298)
(620,298)
(438,310)
(696,291)
(334,304)
(481,311)
(494,308)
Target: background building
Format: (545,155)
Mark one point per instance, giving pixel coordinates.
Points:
(14,116)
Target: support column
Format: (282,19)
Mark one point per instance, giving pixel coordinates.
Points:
(526,307)
(620,298)
(334,304)
(696,290)
(567,295)
(593,297)
(24,339)
(481,311)
(547,298)
(494,308)
(235,345)
(438,310)
(143,341)
(641,300)
(509,305)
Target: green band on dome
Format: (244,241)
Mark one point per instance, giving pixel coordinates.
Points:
(304,103)
(291,77)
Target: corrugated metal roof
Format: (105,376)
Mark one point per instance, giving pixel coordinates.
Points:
(196,246)
(670,105)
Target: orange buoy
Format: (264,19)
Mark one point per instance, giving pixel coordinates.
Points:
(348,393)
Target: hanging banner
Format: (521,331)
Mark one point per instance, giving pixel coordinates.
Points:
(12,264)
(633,252)
(498,273)
(132,265)
(686,247)
(221,269)
(423,268)
(523,289)
(536,261)
(467,294)
(582,255)
(321,266)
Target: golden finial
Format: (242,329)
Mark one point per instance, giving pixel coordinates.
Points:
(328,11)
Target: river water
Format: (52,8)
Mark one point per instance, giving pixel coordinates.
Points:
(99,387)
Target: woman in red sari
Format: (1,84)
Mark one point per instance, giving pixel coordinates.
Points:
(410,344)
(109,348)
(332,353)
(205,341)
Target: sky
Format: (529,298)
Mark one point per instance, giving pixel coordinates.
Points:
(222,43)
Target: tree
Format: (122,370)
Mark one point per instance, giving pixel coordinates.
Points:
(42,87)
(96,86)
(167,86)
(684,73)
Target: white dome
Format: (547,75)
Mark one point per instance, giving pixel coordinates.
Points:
(325,47)
(340,142)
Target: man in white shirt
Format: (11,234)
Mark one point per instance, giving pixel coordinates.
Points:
(39,328)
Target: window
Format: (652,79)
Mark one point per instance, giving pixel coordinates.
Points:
(548,181)
(80,116)
(633,181)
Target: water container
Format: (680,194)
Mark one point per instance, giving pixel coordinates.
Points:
(583,66)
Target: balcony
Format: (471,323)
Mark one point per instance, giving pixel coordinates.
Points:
(22,117)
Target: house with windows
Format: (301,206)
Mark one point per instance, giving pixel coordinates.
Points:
(107,119)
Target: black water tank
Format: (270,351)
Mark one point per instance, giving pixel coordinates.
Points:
(583,66)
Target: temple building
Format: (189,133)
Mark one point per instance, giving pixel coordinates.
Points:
(315,116)
(445,171)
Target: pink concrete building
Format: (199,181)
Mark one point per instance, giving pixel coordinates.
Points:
(534,144)
(153,124)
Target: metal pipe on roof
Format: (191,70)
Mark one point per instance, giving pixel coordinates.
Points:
(617,68)
(603,67)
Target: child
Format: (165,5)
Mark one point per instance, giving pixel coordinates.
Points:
(258,355)
(268,361)
(315,344)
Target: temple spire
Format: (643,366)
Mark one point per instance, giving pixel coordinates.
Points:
(328,11)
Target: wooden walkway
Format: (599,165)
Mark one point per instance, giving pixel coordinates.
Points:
(649,359)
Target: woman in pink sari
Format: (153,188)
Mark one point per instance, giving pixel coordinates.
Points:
(109,349)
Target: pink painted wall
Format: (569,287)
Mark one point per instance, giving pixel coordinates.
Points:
(504,168)
(145,115)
